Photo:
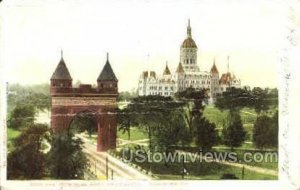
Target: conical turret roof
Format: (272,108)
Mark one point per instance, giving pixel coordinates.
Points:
(167,70)
(214,68)
(179,68)
(107,73)
(61,72)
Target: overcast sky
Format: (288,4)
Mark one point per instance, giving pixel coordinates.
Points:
(140,35)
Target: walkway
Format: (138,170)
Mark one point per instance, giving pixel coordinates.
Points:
(106,166)
(251,168)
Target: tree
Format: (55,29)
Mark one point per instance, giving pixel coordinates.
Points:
(238,98)
(36,95)
(235,99)
(126,96)
(265,131)
(21,116)
(84,122)
(173,131)
(66,159)
(234,133)
(125,120)
(205,133)
(150,113)
(193,104)
(27,160)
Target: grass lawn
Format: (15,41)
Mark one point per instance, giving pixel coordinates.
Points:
(248,117)
(11,135)
(135,134)
(269,158)
(198,170)
(218,117)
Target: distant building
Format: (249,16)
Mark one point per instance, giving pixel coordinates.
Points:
(186,75)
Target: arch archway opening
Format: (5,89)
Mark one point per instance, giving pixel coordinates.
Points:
(85,122)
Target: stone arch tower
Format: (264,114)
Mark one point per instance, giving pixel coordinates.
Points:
(67,102)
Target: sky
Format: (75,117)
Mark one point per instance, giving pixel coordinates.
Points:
(140,35)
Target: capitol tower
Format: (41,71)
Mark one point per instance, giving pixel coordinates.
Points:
(188,52)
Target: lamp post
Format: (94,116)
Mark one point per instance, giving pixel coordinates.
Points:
(184,170)
(95,167)
(106,167)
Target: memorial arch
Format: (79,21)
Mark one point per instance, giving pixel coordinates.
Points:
(100,101)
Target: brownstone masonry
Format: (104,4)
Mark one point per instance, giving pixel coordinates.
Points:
(100,101)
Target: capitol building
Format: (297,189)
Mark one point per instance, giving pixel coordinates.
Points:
(187,75)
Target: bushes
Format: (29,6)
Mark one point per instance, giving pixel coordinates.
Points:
(265,132)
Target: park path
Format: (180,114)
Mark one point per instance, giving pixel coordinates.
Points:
(239,165)
(105,166)
(141,142)
(249,113)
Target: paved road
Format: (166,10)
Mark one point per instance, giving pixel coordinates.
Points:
(107,167)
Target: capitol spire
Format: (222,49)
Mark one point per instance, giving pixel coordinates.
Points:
(189,30)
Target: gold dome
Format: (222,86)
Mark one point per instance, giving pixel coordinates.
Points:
(188,43)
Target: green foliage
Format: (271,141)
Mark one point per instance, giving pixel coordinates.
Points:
(234,134)
(125,120)
(197,170)
(150,113)
(66,159)
(172,131)
(193,104)
(166,120)
(27,161)
(265,132)
(206,134)
(234,99)
(84,122)
(36,95)
(259,99)
(21,116)
(126,96)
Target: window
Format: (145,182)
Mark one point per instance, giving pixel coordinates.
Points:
(166,88)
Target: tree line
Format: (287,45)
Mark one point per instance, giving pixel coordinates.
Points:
(179,121)
(38,153)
